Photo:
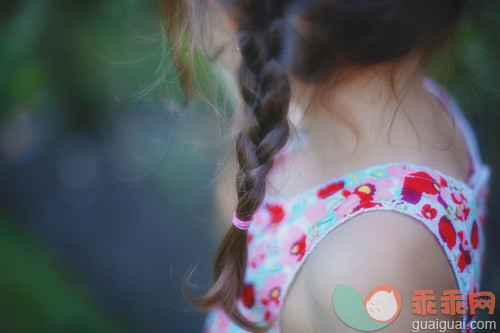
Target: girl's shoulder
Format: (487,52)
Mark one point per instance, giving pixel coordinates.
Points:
(378,248)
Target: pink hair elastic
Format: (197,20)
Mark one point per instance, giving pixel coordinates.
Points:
(240,224)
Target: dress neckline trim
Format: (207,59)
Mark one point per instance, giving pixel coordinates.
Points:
(412,167)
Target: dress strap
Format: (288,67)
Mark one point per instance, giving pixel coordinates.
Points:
(479,171)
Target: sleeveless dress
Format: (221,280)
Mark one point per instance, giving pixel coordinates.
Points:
(286,230)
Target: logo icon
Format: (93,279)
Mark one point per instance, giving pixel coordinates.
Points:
(380,307)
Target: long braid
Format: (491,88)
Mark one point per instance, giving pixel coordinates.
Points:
(265,91)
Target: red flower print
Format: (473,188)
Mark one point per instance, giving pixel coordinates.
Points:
(272,302)
(248,295)
(447,232)
(417,183)
(277,213)
(274,296)
(366,205)
(462,206)
(361,197)
(299,248)
(365,193)
(428,212)
(464,259)
(294,247)
(270,293)
(330,189)
(474,236)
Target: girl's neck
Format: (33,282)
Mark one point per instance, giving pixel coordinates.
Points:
(369,109)
(366,121)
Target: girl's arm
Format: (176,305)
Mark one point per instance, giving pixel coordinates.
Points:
(367,251)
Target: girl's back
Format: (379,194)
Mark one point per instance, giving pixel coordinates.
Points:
(384,245)
(378,145)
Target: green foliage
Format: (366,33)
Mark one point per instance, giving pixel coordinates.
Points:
(37,294)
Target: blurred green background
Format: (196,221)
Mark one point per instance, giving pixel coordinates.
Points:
(106,205)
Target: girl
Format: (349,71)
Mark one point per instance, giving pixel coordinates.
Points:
(380,182)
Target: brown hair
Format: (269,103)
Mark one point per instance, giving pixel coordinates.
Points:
(307,40)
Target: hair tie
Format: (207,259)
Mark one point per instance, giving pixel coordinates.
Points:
(240,224)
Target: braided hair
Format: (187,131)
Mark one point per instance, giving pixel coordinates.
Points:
(265,91)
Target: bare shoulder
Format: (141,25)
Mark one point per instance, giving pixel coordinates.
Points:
(369,250)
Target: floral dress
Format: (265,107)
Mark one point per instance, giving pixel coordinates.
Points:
(286,230)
